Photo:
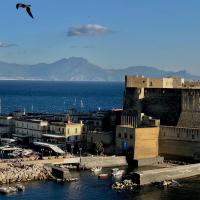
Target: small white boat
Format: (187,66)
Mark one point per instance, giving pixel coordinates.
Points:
(13,189)
(4,190)
(20,187)
(118,173)
(7,190)
(115,170)
(96,169)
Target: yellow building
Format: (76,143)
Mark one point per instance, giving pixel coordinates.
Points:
(142,142)
(72,132)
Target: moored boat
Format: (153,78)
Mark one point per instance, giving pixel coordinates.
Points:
(118,173)
(20,187)
(96,169)
(7,190)
(103,176)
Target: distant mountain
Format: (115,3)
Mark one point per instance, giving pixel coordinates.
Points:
(79,69)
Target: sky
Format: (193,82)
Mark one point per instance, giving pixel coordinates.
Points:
(110,33)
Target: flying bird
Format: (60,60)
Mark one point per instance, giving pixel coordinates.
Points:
(26,7)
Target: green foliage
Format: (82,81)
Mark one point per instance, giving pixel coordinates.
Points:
(99,147)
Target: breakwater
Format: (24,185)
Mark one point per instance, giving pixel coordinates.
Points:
(103,161)
(23,173)
(160,175)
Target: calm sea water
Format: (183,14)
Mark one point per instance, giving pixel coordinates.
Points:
(89,187)
(57,97)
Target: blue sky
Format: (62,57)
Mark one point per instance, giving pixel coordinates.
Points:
(109,33)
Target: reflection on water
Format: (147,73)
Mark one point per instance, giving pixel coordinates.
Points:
(90,187)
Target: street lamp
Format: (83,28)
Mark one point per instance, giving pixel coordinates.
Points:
(80,149)
(72,147)
(42,150)
(1,154)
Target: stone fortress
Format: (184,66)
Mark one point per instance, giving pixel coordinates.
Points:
(173,101)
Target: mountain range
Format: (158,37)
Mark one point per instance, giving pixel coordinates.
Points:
(79,69)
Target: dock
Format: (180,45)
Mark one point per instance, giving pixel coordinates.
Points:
(159,175)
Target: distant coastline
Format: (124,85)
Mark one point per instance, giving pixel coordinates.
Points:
(80,69)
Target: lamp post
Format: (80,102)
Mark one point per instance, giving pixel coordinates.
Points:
(50,153)
(42,150)
(80,149)
(72,147)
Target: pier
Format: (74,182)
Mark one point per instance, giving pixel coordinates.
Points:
(159,175)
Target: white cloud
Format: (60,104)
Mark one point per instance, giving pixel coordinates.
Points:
(87,30)
(5,45)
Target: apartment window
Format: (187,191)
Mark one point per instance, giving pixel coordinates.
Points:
(68,139)
(178,135)
(125,135)
(119,135)
(131,137)
(76,138)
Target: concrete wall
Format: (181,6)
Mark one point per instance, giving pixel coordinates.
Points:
(146,143)
(179,142)
(158,175)
(103,161)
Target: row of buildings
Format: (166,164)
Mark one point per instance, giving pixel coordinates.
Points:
(160,117)
(63,130)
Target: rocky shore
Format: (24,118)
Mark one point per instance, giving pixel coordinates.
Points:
(126,185)
(22,173)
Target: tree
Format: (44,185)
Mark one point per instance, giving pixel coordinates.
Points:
(99,147)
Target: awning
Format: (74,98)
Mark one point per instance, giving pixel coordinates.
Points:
(53,136)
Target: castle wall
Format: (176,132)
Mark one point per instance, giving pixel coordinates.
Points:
(160,103)
(190,115)
(179,142)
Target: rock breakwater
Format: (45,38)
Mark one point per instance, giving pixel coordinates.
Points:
(23,173)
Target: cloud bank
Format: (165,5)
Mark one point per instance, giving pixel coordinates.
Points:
(87,30)
(6,45)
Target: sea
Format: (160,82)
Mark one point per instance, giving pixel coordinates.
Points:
(58,97)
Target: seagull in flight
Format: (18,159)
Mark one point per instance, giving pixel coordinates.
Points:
(26,7)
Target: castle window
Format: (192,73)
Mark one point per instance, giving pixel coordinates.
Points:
(151,84)
(193,137)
